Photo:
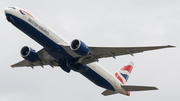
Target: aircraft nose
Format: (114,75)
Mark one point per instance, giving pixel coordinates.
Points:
(8,15)
(6,10)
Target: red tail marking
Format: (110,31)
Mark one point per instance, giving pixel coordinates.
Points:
(128,68)
(119,78)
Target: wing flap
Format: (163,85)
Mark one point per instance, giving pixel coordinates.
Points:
(138,88)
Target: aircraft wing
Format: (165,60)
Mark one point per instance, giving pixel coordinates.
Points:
(104,52)
(44,59)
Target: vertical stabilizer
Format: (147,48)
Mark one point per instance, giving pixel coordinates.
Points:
(123,74)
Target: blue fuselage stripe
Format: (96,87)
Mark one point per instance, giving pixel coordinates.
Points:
(57,51)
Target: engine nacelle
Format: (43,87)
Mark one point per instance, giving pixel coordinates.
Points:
(79,47)
(29,54)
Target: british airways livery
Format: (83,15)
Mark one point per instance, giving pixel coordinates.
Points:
(76,56)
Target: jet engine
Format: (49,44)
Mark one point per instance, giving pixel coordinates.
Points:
(29,54)
(79,47)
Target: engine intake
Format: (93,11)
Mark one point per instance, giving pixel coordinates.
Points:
(29,54)
(79,47)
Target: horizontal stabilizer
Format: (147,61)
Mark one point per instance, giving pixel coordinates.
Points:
(137,88)
(108,92)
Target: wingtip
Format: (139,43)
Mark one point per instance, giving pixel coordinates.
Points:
(171,46)
(12,66)
(156,88)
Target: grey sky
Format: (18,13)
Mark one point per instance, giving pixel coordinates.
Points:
(97,23)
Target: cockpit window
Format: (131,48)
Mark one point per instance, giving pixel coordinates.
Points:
(12,7)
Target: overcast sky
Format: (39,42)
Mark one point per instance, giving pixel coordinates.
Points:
(97,23)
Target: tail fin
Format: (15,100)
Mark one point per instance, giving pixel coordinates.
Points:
(123,74)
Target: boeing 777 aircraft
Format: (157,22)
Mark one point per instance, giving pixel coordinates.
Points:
(76,56)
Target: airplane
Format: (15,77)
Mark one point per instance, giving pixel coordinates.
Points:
(76,56)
